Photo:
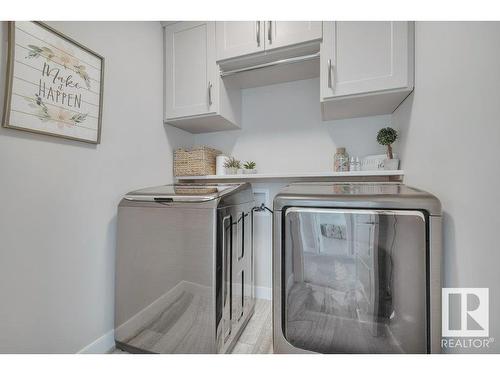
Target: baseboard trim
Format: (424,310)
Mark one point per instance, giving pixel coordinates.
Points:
(102,345)
(263,292)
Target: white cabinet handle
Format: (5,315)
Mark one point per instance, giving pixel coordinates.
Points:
(269,32)
(258,33)
(330,74)
(209,93)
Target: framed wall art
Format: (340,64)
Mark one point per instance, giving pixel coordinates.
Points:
(54,84)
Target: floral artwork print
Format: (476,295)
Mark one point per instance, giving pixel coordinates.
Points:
(57,114)
(54,84)
(62,58)
(66,60)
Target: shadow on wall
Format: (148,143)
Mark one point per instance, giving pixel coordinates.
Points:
(360,137)
(407,132)
(109,293)
(225,141)
(176,138)
(449,279)
(282,130)
(404,131)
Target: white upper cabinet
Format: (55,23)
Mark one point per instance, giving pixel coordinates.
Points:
(195,98)
(369,60)
(366,68)
(242,38)
(287,33)
(239,38)
(364,57)
(190,69)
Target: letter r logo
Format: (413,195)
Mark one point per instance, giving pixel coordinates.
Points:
(465,312)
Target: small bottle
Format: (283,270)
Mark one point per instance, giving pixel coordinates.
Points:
(341,160)
(358,164)
(352,164)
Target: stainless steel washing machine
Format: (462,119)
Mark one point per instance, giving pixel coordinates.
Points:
(184,268)
(356,269)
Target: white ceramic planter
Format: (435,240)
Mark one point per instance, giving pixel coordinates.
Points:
(250,171)
(391,164)
(231,170)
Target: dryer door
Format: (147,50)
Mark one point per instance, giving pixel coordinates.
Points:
(354,281)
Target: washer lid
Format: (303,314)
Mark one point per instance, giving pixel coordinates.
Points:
(182,192)
(357,195)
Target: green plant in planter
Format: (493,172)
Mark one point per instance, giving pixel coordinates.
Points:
(249,165)
(386,137)
(232,162)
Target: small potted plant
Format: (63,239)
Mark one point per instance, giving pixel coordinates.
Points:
(386,137)
(249,167)
(232,165)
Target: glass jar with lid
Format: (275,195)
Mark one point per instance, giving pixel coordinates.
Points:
(341,160)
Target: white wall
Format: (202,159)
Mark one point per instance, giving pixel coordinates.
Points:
(451,137)
(59,198)
(282,131)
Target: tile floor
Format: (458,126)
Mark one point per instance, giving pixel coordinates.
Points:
(257,338)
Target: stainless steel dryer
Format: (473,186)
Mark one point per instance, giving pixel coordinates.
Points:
(184,268)
(356,269)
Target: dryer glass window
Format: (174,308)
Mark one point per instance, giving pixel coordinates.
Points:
(354,281)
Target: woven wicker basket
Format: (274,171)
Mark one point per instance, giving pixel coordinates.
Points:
(198,161)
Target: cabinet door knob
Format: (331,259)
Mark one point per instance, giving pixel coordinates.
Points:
(269,32)
(209,93)
(258,33)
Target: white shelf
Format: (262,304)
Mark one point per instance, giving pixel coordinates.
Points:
(359,175)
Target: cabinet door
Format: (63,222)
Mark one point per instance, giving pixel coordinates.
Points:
(359,57)
(287,33)
(238,38)
(190,69)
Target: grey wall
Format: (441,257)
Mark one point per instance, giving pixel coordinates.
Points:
(58,198)
(450,140)
(282,130)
